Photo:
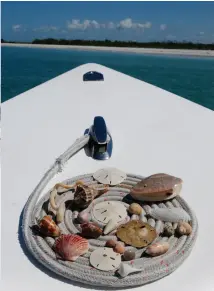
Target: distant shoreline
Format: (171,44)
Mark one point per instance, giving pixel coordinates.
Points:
(178,52)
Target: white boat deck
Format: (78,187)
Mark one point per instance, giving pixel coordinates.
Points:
(153,131)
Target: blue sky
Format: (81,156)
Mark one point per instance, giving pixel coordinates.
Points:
(140,21)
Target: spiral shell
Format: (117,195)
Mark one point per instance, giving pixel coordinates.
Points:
(70,246)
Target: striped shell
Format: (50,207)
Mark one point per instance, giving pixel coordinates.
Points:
(48,227)
(170,215)
(70,246)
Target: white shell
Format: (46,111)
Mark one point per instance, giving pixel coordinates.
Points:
(104,211)
(105,259)
(170,215)
(126,269)
(110,226)
(109,176)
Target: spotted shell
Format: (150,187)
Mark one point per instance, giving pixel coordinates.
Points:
(48,227)
(70,246)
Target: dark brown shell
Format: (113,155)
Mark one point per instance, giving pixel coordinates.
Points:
(91,230)
(136,233)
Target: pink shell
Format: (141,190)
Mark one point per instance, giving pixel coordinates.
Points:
(70,246)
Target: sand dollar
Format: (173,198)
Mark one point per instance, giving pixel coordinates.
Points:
(104,211)
(105,259)
(110,176)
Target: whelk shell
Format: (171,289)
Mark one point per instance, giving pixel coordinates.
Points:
(157,187)
(70,246)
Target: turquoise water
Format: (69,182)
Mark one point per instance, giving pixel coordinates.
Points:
(191,78)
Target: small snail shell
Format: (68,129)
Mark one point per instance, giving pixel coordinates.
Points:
(184,228)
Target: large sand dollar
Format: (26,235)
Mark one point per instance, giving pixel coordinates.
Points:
(109,176)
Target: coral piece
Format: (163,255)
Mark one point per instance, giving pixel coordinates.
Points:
(136,233)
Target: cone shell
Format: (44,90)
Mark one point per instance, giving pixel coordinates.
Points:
(70,246)
(91,230)
(48,227)
(157,249)
(157,187)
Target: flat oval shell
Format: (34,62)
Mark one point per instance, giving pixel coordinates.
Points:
(109,176)
(157,187)
(104,211)
(105,259)
(136,233)
(170,214)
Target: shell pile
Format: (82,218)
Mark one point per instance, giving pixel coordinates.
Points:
(108,227)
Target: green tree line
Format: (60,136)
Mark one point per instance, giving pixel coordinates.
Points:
(116,43)
(109,43)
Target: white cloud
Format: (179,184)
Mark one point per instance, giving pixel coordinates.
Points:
(163,27)
(16,27)
(170,37)
(201,33)
(128,23)
(76,24)
(46,28)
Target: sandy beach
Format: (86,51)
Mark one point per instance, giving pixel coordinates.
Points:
(180,52)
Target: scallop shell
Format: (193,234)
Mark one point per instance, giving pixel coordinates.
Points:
(170,215)
(157,187)
(70,246)
(157,249)
(109,176)
(91,230)
(48,227)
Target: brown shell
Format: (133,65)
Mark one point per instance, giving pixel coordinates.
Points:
(136,233)
(158,184)
(84,195)
(48,227)
(91,230)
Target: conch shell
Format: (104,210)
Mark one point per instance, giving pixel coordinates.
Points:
(84,194)
(70,246)
(157,187)
(48,227)
(157,249)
